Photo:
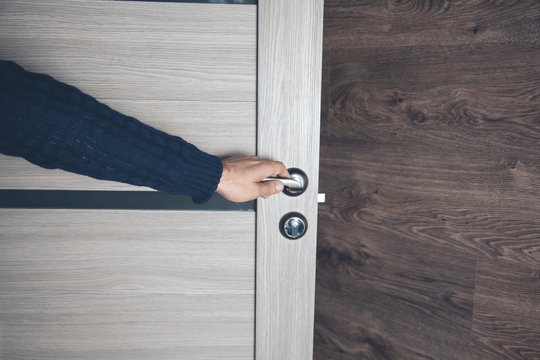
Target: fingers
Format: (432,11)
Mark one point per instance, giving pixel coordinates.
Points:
(279,169)
(270,188)
(271,168)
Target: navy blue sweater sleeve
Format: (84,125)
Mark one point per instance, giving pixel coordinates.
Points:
(55,125)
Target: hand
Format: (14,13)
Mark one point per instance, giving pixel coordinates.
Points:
(242,175)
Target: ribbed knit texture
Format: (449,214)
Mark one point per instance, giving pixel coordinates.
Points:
(55,125)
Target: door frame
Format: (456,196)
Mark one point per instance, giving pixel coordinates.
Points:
(289,72)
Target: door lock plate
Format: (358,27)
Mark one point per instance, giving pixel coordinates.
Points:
(293,225)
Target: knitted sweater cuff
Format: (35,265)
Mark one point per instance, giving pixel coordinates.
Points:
(162,161)
(203,181)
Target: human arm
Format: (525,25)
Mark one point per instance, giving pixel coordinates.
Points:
(55,125)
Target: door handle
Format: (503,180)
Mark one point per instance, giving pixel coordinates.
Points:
(293,186)
(288,182)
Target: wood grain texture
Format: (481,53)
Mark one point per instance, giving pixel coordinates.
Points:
(429,160)
(384,295)
(452,139)
(289,90)
(506,321)
(395,23)
(186,69)
(136,50)
(126,284)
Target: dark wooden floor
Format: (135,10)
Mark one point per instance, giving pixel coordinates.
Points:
(429,243)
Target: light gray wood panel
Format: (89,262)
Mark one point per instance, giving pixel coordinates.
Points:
(229,128)
(289,91)
(126,284)
(89,326)
(186,69)
(135,50)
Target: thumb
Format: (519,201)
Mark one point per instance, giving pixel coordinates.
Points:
(270,188)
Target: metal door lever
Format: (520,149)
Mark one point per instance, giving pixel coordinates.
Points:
(295,185)
(290,183)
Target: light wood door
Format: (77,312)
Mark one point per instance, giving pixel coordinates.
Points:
(289,92)
(138,284)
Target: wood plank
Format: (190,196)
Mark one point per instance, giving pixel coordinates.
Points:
(126,284)
(478,205)
(186,69)
(429,159)
(506,321)
(136,50)
(116,326)
(448,141)
(381,295)
(289,90)
(367,23)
